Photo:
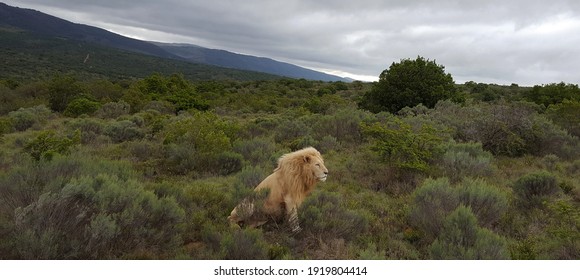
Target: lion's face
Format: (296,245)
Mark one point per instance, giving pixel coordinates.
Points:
(319,171)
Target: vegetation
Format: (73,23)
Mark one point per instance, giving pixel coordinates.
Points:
(97,167)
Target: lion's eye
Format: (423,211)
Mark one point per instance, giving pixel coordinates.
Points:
(318,164)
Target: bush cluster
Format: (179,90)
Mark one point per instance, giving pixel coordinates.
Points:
(47,144)
(81,106)
(402,147)
(532,189)
(435,199)
(466,160)
(462,239)
(201,143)
(323,215)
(25,118)
(96,217)
(510,129)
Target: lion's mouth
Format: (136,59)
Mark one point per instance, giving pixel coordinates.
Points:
(322,178)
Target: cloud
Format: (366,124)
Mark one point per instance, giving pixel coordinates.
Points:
(524,42)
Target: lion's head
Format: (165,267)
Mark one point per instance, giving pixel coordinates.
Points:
(306,164)
(315,164)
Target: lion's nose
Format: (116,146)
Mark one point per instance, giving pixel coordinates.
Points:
(325,172)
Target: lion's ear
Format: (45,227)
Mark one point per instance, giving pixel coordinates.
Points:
(307,159)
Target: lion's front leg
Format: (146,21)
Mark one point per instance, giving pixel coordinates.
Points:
(293,221)
(292,215)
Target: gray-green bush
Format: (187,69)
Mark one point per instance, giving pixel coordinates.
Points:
(247,244)
(487,202)
(531,189)
(96,217)
(90,129)
(113,110)
(462,239)
(25,118)
(323,215)
(124,130)
(466,159)
(511,129)
(432,202)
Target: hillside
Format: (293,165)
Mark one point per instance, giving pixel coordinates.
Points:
(246,62)
(25,55)
(49,27)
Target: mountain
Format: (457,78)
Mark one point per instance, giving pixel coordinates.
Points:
(228,59)
(29,56)
(47,26)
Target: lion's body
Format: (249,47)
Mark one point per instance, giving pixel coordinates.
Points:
(294,179)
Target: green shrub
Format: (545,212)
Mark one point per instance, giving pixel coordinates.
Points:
(185,99)
(548,138)
(105,90)
(5,125)
(523,250)
(566,115)
(90,129)
(371,253)
(81,106)
(99,217)
(124,130)
(205,132)
(162,107)
(246,244)
(466,159)
(462,239)
(487,202)
(302,142)
(531,189)
(256,150)
(113,110)
(227,163)
(25,118)
(563,238)
(201,144)
(400,146)
(250,177)
(27,179)
(261,127)
(291,130)
(182,159)
(208,204)
(343,125)
(511,129)
(61,91)
(327,143)
(48,143)
(323,215)
(432,202)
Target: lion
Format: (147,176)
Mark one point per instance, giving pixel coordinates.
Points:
(291,182)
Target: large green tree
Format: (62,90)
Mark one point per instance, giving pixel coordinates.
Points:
(409,83)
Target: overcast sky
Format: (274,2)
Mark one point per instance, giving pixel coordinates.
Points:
(528,42)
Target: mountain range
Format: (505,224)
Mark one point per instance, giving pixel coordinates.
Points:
(36,23)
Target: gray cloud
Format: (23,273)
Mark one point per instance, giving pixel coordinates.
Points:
(524,42)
